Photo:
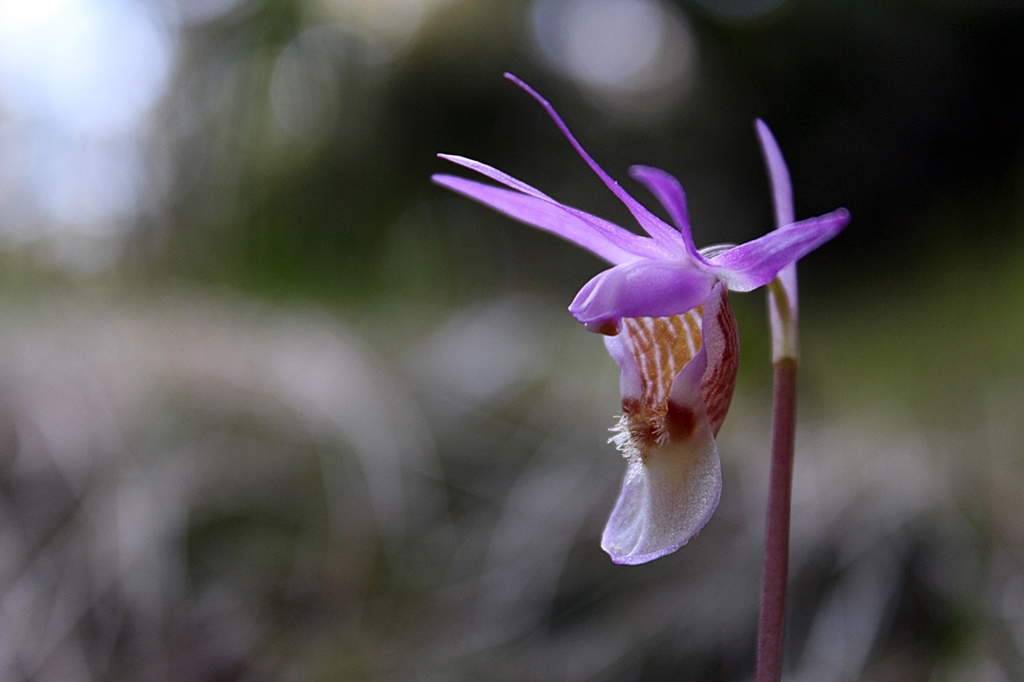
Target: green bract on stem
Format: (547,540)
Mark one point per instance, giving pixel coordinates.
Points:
(783,318)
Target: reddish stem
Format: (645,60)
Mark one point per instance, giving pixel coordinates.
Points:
(776,551)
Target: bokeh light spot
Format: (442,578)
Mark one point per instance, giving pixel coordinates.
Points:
(78,82)
(609,42)
(633,57)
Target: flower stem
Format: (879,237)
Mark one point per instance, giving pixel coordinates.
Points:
(776,551)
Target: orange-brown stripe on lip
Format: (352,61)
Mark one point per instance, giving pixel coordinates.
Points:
(661,347)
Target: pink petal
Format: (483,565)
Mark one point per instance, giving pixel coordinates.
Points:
(778,174)
(494,174)
(645,288)
(653,225)
(756,262)
(598,236)
(667,190)
(784,334)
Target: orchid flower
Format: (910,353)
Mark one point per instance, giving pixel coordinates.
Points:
(664,310)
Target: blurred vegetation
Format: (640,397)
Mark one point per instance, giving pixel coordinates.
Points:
(905,112)
(320,420)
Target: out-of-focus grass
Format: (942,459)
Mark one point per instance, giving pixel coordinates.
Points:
(204,487)
(936,343)
(407,480)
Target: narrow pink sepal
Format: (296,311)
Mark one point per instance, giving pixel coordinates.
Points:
(756,263)
(783,314)
(654,226)
(667,190)
(603,239)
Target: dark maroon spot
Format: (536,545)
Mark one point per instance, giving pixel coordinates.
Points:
(630,406)
(680,421)
(606,327)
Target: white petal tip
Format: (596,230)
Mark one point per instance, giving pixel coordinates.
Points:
(665,500)
(637,559)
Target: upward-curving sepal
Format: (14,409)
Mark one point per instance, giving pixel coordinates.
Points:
(783,312)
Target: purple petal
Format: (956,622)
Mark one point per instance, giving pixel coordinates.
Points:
(782,198)
(653,225)
(756,262)
(778,174)
(598,236)
(667,190)
(645,288)
(495,174)
(784,335)
(671,493)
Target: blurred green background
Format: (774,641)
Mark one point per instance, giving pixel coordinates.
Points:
(274,407)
